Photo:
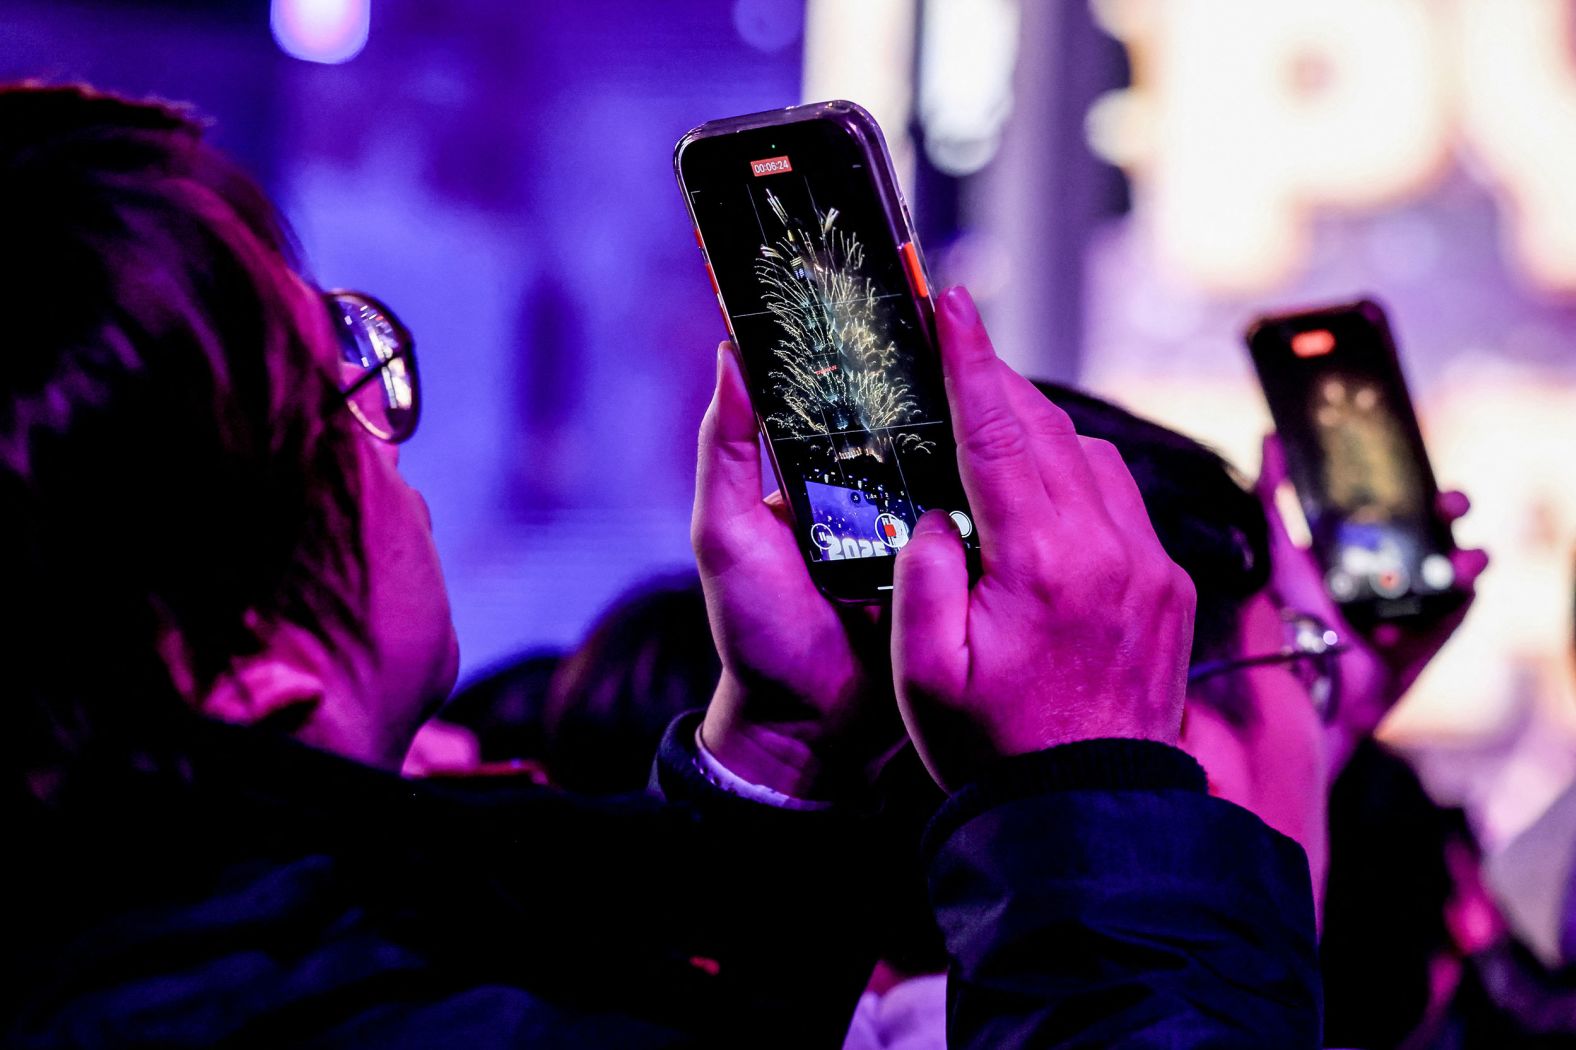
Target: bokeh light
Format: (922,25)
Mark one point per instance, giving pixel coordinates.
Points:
(326,31)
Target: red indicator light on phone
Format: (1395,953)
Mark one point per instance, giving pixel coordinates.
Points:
(770,166)
(1316,343)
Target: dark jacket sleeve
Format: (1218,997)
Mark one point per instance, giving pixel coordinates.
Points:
(729,922)
(277,896)
(787,898)
(1094,895)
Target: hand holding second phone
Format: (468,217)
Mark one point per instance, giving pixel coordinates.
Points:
(1079,625)
(1378,665)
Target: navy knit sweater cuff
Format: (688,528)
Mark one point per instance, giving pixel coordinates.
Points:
(1086,765)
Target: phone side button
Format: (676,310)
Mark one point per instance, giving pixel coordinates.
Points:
(717,291)
(916,271)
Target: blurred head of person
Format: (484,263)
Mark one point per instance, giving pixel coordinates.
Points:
(197,517)
(504,706)
(646,660)
(492,724)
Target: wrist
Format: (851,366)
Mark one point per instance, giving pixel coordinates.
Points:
(796,757)
(725,779)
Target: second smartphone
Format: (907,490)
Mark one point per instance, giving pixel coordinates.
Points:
(1356,458)
(815,265)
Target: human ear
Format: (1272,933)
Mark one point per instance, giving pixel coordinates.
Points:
(265,689)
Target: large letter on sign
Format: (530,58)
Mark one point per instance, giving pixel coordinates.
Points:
(1518,98)
(1261,110)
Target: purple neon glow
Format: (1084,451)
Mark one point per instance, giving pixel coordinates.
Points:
(327,31)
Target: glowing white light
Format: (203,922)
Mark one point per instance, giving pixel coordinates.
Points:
(327,31)
(1120,127)
(1249,114)
(864,52)
(1246,117)
(968,51)
(1518,95)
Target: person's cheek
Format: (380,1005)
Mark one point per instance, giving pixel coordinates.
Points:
(1291,789)
(409,608)
(1213,743)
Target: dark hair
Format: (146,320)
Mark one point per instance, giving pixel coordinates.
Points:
(503,706)
(648,659)
(1207,520)
(176,474)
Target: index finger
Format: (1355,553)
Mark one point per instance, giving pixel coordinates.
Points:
(1070,481)
(995,450)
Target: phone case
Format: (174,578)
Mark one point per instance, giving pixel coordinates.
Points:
(862,128)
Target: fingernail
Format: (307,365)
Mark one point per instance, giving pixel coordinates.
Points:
(959,304)
(934,521)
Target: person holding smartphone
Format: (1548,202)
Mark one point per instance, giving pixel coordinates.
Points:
(224,619)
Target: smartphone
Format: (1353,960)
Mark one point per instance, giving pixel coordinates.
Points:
(1356,458)
(823,289)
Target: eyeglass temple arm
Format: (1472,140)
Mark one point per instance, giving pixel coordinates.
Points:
(1210,668)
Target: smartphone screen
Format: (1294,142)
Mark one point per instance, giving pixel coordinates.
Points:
(823,292)
(1356,457)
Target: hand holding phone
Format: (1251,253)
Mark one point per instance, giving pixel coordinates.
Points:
(1079,625)
(1020,660)
(804,705)
(1377,665)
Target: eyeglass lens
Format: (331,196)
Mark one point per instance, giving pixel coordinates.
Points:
(1318,666)
(385,403)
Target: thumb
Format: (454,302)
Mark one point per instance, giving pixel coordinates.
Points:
(728,471)
(1295,575)
(930,603)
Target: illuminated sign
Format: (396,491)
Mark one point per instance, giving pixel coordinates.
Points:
(1247,117)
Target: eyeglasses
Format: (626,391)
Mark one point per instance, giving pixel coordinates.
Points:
(385,396)
(1312,653)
